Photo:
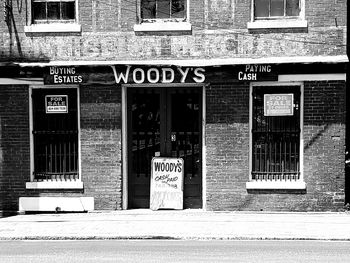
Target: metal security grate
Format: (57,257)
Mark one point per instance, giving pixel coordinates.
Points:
(276,139)
(55,137)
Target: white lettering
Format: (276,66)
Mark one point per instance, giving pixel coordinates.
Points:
(155,75)
(142,76)
(149,75)
(55,79)
(200,77)
(247,76)
(125,76)
(164,73)
(183,74)
(52,70)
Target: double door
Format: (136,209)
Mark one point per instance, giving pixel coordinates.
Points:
(164,122)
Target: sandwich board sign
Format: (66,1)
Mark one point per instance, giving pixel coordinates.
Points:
(167,183)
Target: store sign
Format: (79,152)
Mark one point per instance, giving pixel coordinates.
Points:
(62,75)
(140,75)
(56,103)
(256,73)
(278,104)
(167,183)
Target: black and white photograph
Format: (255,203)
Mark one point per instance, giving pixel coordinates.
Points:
(174,131)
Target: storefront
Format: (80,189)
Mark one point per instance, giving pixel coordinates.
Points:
(253,136)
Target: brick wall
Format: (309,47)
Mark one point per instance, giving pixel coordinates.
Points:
(227,147)
(100,147)
(107,34)
(14,145)
(100,114)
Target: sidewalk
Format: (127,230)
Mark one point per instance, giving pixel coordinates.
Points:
(186,224)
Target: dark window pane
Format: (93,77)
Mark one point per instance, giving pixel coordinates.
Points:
(276,139)
(68,10)
(53,10)
(292,8)
(262,8)
(39,11)
(55,137)
(178,9)
(148,9)
(163,9)
(277,8)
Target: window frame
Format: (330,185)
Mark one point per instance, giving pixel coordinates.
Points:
(51,21)
(51,184)
(275,185)
(53,26)
(163,24)
(278,21)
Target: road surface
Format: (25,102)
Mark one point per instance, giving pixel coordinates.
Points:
(173,251)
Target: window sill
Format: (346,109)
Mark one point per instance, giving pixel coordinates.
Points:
(55,185)
(163,26)
(276,24)
(275,185)
(53,28)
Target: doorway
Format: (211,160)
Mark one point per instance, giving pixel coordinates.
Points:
(164,122)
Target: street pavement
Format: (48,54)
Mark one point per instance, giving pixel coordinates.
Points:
(177,224)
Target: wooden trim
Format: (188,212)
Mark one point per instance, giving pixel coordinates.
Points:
(163,26)
(272,185)
(124,148)
(204,161)
(194,62)
(21,81)
(55,185)
(275,24)
(31,139)
(53,28)
(312,77)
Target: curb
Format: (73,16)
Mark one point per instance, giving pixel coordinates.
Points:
(72,238)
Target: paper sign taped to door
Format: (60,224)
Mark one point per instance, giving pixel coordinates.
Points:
(167,183)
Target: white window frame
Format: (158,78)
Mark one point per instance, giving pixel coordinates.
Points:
(69,184)
(276,185)
(163,25)
(51,26)
(278,22)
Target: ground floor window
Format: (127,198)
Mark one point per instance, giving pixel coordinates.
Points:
(276,133)
(55,134)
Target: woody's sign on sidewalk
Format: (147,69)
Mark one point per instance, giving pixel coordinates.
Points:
(167,183)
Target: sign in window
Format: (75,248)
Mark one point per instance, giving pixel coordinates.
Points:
(278,104)
(56,103)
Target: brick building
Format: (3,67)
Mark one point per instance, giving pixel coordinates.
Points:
(249,93)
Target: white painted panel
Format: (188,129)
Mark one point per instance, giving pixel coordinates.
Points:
(68,204)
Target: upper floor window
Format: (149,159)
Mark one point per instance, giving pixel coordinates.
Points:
(163,9)
(265,9)
(163,15)
(53,16)
(276,14)
(44,11)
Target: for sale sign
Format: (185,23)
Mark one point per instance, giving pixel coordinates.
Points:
(167,183)
(278,104)
(56,103)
